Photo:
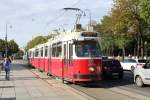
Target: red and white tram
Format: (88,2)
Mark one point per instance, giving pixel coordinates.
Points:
(72,56)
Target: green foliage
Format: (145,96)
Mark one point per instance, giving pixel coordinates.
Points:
(128,23)
(2,45)
(37,40)
(107,43)
(12,46)
(145,10)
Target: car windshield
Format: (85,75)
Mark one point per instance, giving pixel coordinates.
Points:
(112,63)
(130,61)
(142,61)
(88,49)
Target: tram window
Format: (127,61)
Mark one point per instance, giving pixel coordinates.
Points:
(41,52)
(53,51)
(30,54)
(58,52)
(50,53)
(46,51)
(70,51)
(64,51)
(36,53)
(33,54)
(88,49)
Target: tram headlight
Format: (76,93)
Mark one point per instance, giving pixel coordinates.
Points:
(91,69)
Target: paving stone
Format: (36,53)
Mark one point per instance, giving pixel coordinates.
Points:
(24,85)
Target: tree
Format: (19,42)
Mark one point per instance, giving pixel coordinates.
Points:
(2,45)
(129,17)
(145,14)
(37,40)
(12,47)
(128,23)
(105,29)
(145,10)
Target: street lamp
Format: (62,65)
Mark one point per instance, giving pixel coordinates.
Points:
(6,46)
(6,49)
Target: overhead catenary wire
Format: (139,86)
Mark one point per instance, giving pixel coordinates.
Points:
(76,3)
(54,19)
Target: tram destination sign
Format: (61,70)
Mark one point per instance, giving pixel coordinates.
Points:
(89,34)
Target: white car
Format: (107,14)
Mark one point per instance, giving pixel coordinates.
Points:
(129,64)
(142,75)
(140,63)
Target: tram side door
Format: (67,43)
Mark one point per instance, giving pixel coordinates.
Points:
(65,61)
(67,66)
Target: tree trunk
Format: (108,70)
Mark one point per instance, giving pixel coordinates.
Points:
(142,49)
(123,53)
(134,51)
(138,46)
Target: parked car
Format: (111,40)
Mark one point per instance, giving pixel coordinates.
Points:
(129,64)
(112,67)
(142,75)
(140,63)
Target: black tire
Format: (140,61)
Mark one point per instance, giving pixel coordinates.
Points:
(120,76)
(138,81)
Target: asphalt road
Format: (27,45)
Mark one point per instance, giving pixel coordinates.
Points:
(127,84)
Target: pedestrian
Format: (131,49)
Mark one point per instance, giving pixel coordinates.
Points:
(7,66)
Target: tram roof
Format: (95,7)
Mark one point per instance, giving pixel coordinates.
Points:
(66,36)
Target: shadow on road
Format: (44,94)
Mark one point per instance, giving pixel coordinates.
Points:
(13,98)
(112,82)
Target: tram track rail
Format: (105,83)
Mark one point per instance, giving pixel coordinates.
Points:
(83,91)
(79,92)
(130,90)
(85,94)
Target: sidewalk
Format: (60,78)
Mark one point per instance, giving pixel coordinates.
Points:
(25,85)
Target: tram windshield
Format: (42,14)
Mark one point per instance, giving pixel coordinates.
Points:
(88,49)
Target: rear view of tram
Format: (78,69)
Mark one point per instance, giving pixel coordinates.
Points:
(84,59)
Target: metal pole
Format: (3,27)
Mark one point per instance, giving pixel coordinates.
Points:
(90,16)
(6,43)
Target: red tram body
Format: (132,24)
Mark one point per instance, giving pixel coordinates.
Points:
(72,56)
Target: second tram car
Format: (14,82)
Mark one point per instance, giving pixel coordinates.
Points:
(72,56)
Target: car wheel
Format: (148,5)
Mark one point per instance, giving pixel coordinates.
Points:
(139,81)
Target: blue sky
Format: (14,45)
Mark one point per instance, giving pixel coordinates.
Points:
(30,18)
